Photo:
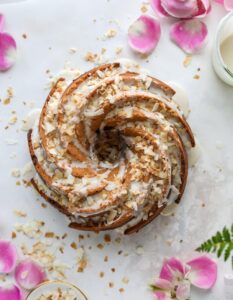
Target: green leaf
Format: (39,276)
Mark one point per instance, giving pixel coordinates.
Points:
(220,250)
(227,253)
(221,243)
(226,234)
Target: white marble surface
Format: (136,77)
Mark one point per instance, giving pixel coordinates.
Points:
(62,24)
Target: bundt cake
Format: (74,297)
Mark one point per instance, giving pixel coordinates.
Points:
(110,149)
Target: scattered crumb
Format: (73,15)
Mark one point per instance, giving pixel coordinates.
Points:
(101,274)
(121,290)
(43,205)
(106,258)
(20,213)
(107,238)
(24,36)
(9,96)
(12,120)
(15,172)
(103,50)
(110,33)
(72,50)
(196,76)
(119,50)
(187,61)
(113,270)
(100,246)
(64,236)
(91,57)
(74,245)
(111,284)
(125,280)
(120,252)
(49,234)
(144,8)
(13,235)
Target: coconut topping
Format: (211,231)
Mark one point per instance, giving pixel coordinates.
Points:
(109,148)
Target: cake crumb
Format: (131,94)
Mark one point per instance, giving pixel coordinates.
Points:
(187,61)
(119,50)
(110,33)
(72,50)
(49,234)
(121,290)
(13,235)
(101,274)
(196,76)
(90,56)
(20,213)
(24,36)
(111,284)
(74,245)
(106,259)
(125,280)
(100,246)
(15,172)
(107,238)
(144,8)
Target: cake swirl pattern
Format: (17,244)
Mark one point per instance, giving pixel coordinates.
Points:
(110,149)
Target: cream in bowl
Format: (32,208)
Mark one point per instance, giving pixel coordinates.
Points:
(223,49)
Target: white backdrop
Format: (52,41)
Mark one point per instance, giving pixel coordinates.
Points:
(52,28)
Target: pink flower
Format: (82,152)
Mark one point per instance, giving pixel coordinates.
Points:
(176,277)
(181,9)
(7,47)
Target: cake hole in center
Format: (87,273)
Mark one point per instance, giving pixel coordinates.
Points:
(109,146)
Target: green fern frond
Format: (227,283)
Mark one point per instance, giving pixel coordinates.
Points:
(221,244)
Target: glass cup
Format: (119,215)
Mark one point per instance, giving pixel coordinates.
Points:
(225,29)
(53,285)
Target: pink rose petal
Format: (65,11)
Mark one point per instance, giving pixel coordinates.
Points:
(157,7)
(8,257)
(183,291)
(144,34)
(10,292)
(204,7)
(163,284)
(161,296)
(228,4)
(203,272)
(7,51)
(171,266)
(28,274)
(189,35)
(2,22)
(180,9)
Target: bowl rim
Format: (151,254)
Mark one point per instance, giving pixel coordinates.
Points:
(62,282)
